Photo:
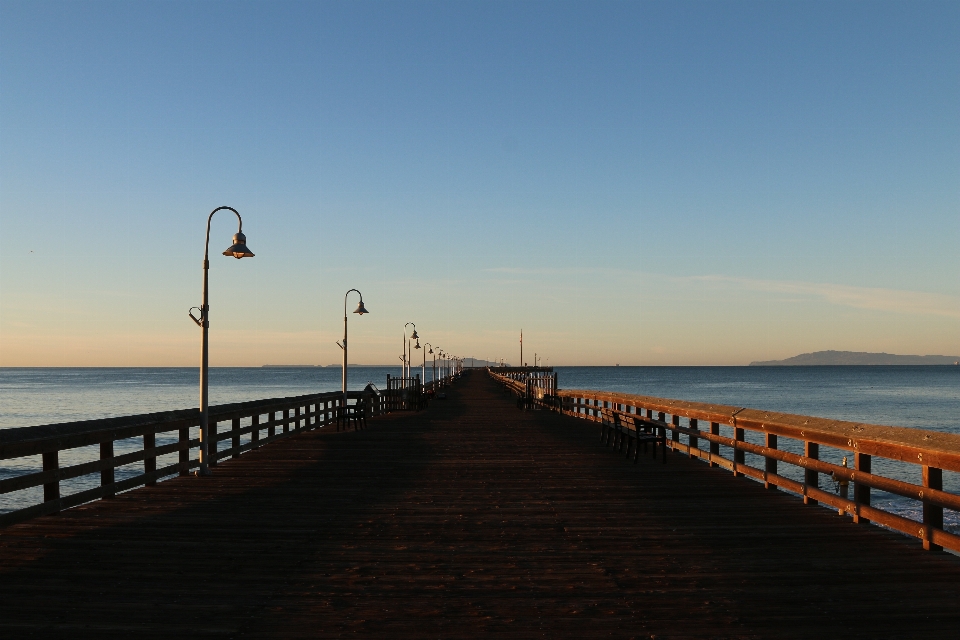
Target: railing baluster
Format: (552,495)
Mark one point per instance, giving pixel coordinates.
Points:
(932,514)
(861,492)
(770,464)
(714,446)
(739,457)
(694,441)
(235,441)
(810,477)
(107,475)
(51,462)
(150,462)
(184,439)
(214,444)
(255,434)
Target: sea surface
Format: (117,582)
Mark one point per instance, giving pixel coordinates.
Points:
(921,397)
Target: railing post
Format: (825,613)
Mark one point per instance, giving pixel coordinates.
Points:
(184,440)
(810,477)
(297,420)
(236,438)
(106,475)
(861,492)
(214,444)
(714,446)
(272,424)
(770,464)
(739,456)
(286,420)
(675,421)
(932,514)
(255,434)
(694,441)
(150,461)
(51,490)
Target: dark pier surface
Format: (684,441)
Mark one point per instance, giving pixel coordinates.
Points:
(466,519)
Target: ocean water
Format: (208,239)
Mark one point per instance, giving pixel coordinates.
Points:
(31,397)
(923,397)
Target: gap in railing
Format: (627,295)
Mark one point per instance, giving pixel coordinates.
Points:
(21,499)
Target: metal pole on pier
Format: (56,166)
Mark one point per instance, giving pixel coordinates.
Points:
(360,310)
(238,250)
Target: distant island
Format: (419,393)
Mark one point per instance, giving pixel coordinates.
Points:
(820,358)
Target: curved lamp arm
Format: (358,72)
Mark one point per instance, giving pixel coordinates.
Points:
(345,301)
(206,248)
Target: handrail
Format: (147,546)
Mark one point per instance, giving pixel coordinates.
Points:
(284,416)
(932,451)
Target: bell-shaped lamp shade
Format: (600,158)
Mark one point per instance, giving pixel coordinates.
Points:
(431,351)
(418,345)
(414,336)
(239,248)
(360,310)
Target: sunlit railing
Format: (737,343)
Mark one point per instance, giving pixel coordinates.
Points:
(884,458)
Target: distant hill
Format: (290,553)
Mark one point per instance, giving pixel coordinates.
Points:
(820,358)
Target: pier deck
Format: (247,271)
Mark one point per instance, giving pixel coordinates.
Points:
(469,518)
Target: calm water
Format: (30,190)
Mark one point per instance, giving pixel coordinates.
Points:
(918,397)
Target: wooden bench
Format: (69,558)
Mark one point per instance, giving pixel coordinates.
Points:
(625,429)
(352,413)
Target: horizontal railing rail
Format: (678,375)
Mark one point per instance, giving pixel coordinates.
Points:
(266,420)
(932,452)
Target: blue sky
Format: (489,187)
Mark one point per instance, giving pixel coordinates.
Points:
(632,182)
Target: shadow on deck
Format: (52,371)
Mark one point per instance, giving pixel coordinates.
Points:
(469,518)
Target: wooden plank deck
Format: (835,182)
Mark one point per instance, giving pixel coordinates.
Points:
(467,519)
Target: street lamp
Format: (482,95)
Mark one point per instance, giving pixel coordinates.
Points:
(406,350)
(238,250)
(434,375)
(360,310)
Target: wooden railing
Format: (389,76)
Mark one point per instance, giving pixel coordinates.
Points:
(262,420)
(530,384)
(929,452)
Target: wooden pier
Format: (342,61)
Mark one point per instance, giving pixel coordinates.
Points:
(466,519)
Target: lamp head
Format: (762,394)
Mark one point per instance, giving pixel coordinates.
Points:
(418,345)
(239,248)
(431,351)
(414,335)
(360,310)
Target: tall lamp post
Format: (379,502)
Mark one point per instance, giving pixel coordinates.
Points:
(360,310)
(433,372)
(238,250)
(406,349)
